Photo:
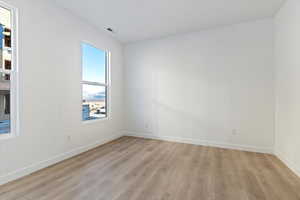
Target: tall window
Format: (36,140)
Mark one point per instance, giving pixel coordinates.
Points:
(95,82)
(8,71)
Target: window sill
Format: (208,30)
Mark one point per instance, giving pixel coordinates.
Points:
(6,136)
(95,120)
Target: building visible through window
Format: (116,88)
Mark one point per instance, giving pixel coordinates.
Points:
(5,69)
(95,85)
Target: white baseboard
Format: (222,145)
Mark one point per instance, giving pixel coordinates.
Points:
(46,163)
(288,163)
(201,142)
(43,164)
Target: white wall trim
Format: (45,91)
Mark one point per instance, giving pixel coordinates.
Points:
(201,142)
(288,163)
(43,164)
(46,163)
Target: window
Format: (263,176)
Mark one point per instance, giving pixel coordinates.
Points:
(95,83)
(8,71)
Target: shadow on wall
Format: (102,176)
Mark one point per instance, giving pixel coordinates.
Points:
(171,121)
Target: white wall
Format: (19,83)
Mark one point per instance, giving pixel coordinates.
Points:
(212,87)
(50,90)
(287,52)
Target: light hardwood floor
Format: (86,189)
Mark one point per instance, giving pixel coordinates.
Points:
(139,169)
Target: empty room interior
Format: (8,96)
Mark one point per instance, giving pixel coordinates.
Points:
(149,100)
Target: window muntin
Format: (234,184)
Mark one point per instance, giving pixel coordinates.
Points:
(94,83)
(8,71)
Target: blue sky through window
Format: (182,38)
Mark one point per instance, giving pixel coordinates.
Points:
(93,64)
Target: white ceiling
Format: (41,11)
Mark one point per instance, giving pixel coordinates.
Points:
(134,20)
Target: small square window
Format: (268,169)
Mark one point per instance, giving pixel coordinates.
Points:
(93,102)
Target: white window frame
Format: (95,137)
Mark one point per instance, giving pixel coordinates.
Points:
(107,85)
(14,75)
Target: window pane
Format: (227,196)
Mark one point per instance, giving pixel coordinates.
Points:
(4,103)
(5,64)
(93,102)
(93,64)
(5,37)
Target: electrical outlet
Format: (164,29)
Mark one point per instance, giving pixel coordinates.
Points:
(69,138)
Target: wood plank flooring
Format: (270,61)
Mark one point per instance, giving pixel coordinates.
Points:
(139,169)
